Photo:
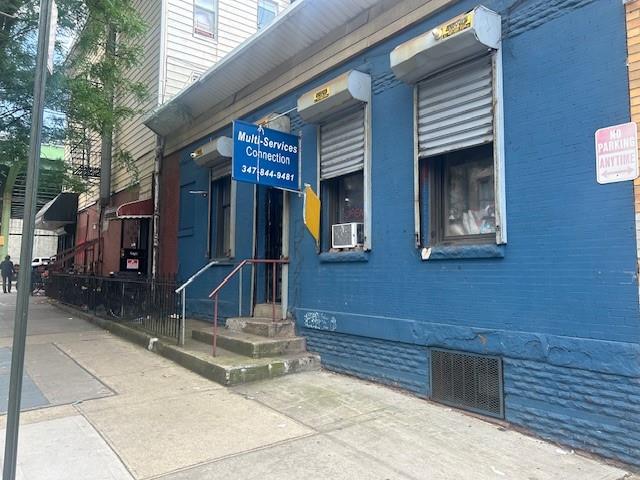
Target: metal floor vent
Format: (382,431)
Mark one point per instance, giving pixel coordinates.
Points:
(467,380)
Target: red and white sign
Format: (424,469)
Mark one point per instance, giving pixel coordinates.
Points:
(617,153)
(133,264)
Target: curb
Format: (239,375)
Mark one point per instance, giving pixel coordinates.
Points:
(152,343)
(195,362)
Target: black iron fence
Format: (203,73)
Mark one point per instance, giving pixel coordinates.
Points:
(150,304)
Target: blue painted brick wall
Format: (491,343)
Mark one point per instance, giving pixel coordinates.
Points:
(393,363)
(561,307)
(584,409)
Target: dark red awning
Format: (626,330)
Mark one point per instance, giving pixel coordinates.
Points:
(137,209)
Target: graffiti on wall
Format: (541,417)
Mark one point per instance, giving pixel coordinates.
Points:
(320,321)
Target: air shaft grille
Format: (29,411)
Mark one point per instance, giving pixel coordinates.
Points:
(468,381)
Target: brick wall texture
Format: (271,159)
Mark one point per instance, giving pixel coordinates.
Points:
(560,307)
(585,410)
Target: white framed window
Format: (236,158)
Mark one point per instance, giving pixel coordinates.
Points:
(205,17)
(344,178)
(267,11)
(459,181)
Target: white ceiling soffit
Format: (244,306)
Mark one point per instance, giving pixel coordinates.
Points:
(301,25)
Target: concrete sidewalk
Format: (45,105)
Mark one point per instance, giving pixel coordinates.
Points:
(102,408)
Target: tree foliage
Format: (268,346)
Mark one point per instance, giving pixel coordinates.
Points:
(85,81)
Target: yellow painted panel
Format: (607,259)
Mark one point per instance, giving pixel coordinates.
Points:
(633,48)
(633,23)
(633,58)
(633,41)
(312,212)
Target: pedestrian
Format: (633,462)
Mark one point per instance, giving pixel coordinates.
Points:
(7,269)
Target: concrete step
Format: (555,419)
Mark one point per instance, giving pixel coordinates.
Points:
(264,327)
(249,345)
(265,310)
(230,369)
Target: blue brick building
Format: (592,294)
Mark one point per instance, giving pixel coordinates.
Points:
(490,270)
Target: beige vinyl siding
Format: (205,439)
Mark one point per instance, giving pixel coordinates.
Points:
(238,21)
(336,48)
(132,136)
(632,10)
(186,52)
(189,54)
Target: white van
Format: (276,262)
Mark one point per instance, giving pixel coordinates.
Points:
(36,262)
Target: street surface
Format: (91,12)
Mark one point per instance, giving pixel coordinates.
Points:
(100,408)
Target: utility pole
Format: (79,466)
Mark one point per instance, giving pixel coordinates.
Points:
(24,275)
(106,147)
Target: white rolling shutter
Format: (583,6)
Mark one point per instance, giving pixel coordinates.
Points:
(342,145)
(221,169)
(455,108)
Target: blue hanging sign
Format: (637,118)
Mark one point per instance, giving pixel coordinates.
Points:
(265,157)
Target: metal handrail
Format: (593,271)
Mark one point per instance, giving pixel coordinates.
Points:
(196,275)
(215,293)
(183,289)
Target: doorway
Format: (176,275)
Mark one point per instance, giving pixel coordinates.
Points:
(273,243)
(134,242)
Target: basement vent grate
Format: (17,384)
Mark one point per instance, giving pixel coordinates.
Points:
(468,381)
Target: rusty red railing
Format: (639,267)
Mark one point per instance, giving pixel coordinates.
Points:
(70,253)
(215,293)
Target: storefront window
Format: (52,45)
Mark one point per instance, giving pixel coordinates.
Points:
(469,198)
(342,171)
(344,198)
(350,197)
(461,198)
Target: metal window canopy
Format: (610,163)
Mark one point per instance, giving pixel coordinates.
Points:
(211,153)
(347,90)
(463,37)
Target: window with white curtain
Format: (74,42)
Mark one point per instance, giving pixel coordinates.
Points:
(205,17)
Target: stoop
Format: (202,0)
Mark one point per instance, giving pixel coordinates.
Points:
(250,348)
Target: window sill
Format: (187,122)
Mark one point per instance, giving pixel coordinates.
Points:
(343,257)
(202,35)
(455,252)
(222,262)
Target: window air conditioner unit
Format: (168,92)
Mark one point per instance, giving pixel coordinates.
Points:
(347,235)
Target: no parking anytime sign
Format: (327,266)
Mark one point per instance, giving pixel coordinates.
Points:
(617,153)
